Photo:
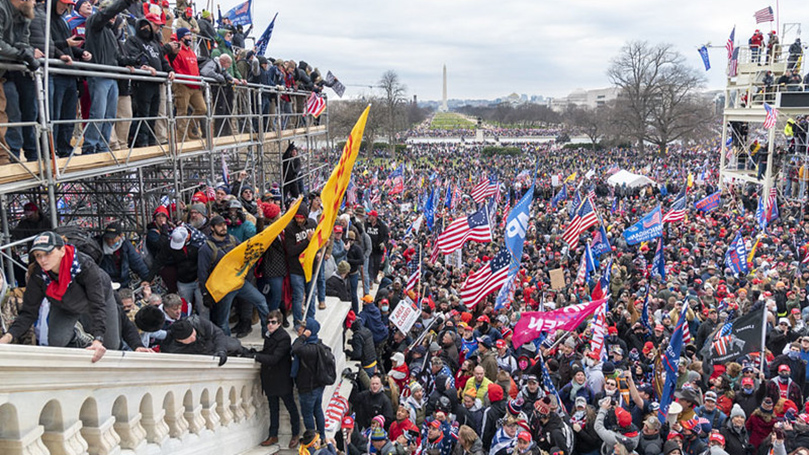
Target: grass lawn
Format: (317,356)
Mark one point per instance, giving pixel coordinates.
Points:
(450,121)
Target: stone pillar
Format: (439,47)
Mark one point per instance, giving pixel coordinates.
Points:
(157,432)
(196,422)
(67,442)
(102,440)
(211,417)
(225,415)
(178,426)
(30,444)
(132,433)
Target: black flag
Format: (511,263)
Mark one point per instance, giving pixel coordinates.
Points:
(735,339)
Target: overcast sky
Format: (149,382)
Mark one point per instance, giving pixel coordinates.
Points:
(493,48)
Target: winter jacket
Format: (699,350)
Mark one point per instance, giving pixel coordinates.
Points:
(212,69)
(362,344)
(481,390)
(119,264)
(584,391)
(185,261)
(88,293)
(14,32)
(472,417)
(338,287)
(759,426)
(587,439)
(276,364)
(736,441)
(372,318)
(305,351)
(495,412)
(146,50)
(185,62)
(552,433)
(368,404)
(210,254)
(355,258)
(274,260)
(100,37)
(476,449)
(210,340)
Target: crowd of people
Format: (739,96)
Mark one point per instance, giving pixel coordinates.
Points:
(455,382)
(154,37)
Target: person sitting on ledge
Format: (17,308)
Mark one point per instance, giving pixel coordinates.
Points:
(195,335)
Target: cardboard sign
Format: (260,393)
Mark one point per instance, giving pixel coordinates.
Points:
(557,278)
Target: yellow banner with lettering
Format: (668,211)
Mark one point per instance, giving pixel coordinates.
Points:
(332,195)
(229,273)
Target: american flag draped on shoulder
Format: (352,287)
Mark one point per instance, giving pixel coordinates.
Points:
(486,279)
(475,227)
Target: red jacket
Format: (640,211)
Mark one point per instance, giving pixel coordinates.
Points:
(185,62)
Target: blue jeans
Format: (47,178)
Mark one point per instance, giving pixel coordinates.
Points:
(312,410)
(292,408)
(354,281)
(220,313)
(272,288)
(21,106)
(64,98)
(191,293)
(300,289)
(104,98)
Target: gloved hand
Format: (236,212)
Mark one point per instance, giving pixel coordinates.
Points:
(208,300)
(223,357)
(27,56)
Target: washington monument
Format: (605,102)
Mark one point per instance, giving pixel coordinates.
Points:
(444,107)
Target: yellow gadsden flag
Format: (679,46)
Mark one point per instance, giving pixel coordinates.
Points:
(229,274)
(332,195)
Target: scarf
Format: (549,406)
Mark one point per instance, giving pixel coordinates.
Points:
(68,270)
(304,448)
(108,250)
(574,389)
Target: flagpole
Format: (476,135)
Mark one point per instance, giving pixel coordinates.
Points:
(313,287)
(419,289)
(763,338)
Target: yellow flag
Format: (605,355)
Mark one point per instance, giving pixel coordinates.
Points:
(229,273)
(570,177)
(332,195)
(752,254)
(690,180)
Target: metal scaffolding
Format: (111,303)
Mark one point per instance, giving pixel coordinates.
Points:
(188,153)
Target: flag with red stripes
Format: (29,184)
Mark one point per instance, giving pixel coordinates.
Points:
(584,218)
(414,267)
(475,227)
(486,188)
(771,118)
(315,105)
(485,280)
(677,212)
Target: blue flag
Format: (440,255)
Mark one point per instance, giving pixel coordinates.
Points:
(601,243)
(241,14)
(709,203)
(644,314)
(516,228)
(448,198)
(736,256)
(703,52)
(575,205)
(429,211)
(264,40)
(648,228)
(671,361)
(659,263)
(560,195)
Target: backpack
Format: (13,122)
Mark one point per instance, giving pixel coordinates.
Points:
(78,237)
(326,367)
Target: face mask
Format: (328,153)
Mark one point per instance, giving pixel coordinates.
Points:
(145,33)
(747,391)
(793,355)
(784,376)
(384,308)
(589,362)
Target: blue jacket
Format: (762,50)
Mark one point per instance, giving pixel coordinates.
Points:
(129,260)
(372,318)
(244,231)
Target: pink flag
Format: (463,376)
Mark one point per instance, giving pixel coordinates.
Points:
(532,323)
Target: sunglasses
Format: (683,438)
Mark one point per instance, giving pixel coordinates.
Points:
(272,322)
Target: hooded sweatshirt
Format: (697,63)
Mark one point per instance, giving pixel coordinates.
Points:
(305,352)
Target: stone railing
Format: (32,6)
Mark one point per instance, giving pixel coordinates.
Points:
(55,401)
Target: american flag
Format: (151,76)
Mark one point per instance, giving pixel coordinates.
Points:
(733,69)
(506,209)
(731,43)
(677,212)
(686,329)
(414,268)
(764,15)
(771,118)
(486,188)
(591,193)
(722,339)
(338,405)
(547,384)
(584,218)
(475,227)
(315,105)
(486,279)
(434,253)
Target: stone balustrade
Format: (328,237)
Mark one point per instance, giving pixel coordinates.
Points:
(55,401)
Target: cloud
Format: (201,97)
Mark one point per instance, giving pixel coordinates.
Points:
(493,48)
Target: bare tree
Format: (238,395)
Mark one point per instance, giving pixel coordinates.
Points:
(393,99)
(343,116)
(658,100)
(592,122)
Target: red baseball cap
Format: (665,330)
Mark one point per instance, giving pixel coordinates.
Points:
(500,344)
(525,436)
(483,318)
(348,422)
(155,19)
(717,437)
(373,213)
(435,424)
(747,381)
(338,229)
(784,367)
(623,416)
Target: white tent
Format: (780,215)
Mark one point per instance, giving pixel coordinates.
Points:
(631,180)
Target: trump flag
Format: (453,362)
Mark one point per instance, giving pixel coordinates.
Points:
(648,228)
